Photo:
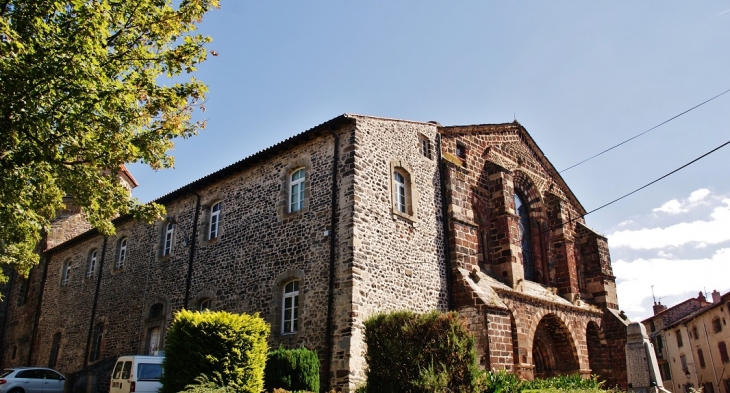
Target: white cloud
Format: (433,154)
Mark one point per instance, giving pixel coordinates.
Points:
(698,195)
(671,207)
(675,206)
(713,231)
(669,277)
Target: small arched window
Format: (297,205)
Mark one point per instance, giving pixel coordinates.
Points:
(156,310)
(169,231)
(215,218)
(65,272)
(717,325)
(290,308)
(525,238)
(122,253)
(206,304)
(92,264)
(400,197)
(296,190)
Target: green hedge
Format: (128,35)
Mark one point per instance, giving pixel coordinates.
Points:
(407,352)
(292,369)
(227,348)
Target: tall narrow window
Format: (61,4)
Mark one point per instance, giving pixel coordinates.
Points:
(425,146)
(296,190)
(65,273)
(723,352)
(55,346)
(169,231)
(525,238)
(215,219)
(22,290)
(399,185)
(716,325)
(290,309)
(679,338)
(92,264)
(122,254)
(701,358)
(96,342)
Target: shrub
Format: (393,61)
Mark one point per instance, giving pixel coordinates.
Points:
(407,352)
(505,382)
(228,348)
(292,369)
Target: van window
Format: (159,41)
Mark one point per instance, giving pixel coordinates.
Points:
(149,371)
(126,370)
(117,370)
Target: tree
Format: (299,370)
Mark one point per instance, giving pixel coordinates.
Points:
(81,95)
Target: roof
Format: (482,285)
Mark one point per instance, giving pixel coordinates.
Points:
(696,313)
(530,143)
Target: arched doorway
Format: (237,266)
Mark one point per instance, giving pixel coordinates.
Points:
(553,349)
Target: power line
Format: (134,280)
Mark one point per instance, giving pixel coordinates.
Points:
(638,135)
(648,184)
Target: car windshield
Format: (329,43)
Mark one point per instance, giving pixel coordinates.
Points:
(5,373)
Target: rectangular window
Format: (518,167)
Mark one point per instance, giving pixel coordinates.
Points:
(290,309)
(683,361)
(667,372)
(215,216)
(296,190)
(679,338)
(425,146)
(122,253)
(170,230)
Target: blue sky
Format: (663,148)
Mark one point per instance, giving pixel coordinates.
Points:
(580,76)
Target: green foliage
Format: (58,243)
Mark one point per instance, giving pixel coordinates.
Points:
(81,94)
(228,348)
(204,385)
(408,352)
(505,382)
(292,369)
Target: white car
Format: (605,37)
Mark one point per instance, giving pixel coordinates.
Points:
(31,380)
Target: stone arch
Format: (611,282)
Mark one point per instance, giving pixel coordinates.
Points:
(554,351)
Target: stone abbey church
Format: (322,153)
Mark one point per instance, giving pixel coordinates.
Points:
(356,216)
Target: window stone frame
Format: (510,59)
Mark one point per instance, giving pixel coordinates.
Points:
(91,269)
(283,200)
(412,194)
(66,267)
(276,310)
(205,217)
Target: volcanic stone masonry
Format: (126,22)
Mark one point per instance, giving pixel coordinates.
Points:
(356,216)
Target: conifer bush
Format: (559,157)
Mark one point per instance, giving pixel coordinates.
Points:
(292,369)
(407,352)
(225,347)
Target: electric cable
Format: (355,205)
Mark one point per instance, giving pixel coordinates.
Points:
(638,135)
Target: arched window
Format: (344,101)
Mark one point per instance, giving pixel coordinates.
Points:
(169,231)
(55,346)
(92,264)
(121,253)
(65,272)
(215,218)
(290,307)
(296,190)
(525,238)
(399,192)
(206,304)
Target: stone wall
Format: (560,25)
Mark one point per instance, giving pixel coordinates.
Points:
(398,258)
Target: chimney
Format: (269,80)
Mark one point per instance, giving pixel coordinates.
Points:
(659,307)
(715,296)
(701,297)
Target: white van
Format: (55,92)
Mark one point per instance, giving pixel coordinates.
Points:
(137,374)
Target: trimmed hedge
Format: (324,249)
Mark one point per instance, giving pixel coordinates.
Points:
(407,352)
(227,348)
(292,369)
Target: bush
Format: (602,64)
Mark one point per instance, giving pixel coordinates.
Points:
(228,348)
(292,369)
(407,352)
(505,382)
